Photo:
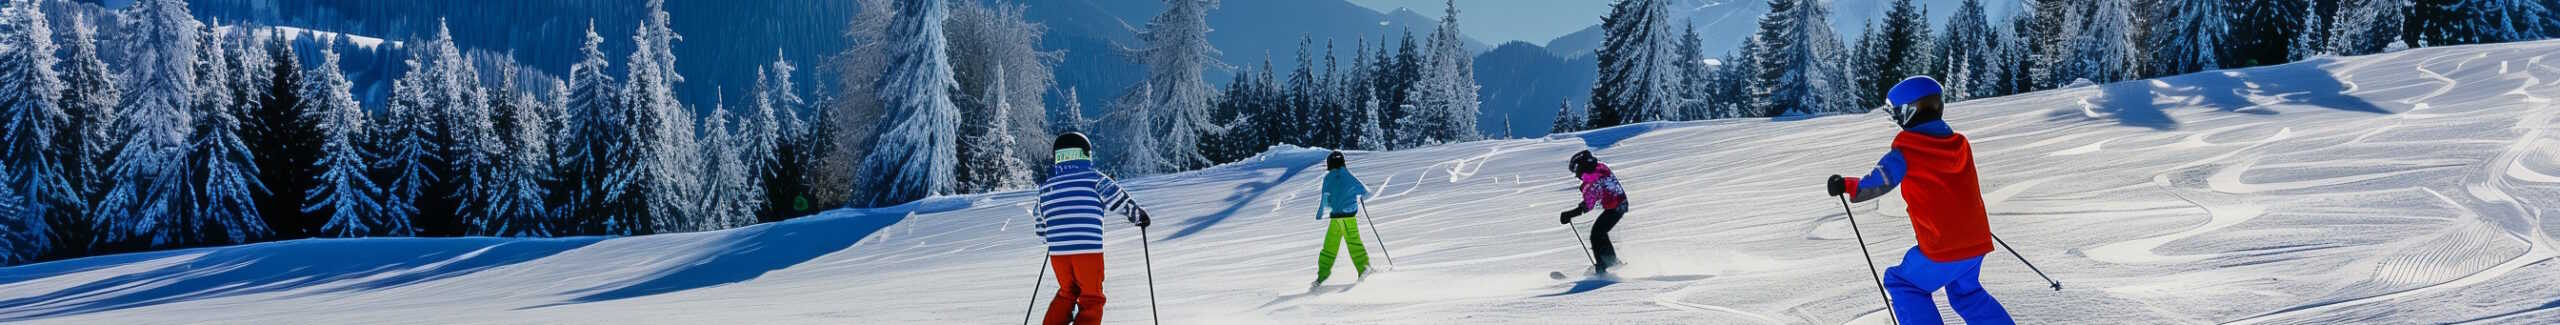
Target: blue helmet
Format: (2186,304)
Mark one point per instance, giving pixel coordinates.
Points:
(1898,101)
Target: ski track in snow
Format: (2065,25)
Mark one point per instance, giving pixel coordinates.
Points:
(2407,187)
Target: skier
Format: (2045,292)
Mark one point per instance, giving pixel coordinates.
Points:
(1342,196)
(1599,190)
(1933,165)
(1072,203)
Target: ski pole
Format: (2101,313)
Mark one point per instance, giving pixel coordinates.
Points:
(1150,255)
(2031,266)
(1577,241)
(1382,238)
(1871,260)
(1035,288)
(1044,265)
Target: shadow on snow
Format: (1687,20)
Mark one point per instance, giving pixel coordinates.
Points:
(747,253)
(333,265)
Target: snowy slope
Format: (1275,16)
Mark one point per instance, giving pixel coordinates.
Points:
(2410,187)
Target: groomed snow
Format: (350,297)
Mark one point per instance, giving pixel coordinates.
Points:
(2409,187)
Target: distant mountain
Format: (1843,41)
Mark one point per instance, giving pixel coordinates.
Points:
(1524,82)
(1723,25)
(1578,43)
(1090,31)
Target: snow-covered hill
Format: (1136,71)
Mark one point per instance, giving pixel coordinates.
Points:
(2411,187)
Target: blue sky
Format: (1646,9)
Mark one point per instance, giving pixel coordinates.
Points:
(1498,21)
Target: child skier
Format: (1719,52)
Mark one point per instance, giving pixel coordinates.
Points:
(1933,165)
(1071,206)
(1342,196)
(1599,190)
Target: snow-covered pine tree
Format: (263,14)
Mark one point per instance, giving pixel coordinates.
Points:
(409,153)
(1349,89)
(1330,110)
(146,201)
(1868,69)
(2105,50)
(1382,85)
(1965,53)
(224,171)
(36,172)
(1132,147)
(555,110)
(984,35)
(1266,110)
(1695,76)
(1176,50)
(2458,22)
(1298,109)
(287,142)
(596,152)
(760,131)
(1638,79)
(1070,115)
(2188,36)
(342,191)
(1444,100)
(2260,32)
(2016,60)
(1246,134)
(2312,40)
(23,236)
(2368,26)
(779,105)
(669,183)
(1371,136)
(914,154)
(725,206)
(468,141)
(514,204)
(996,167)
(92,96)
(845,126)
(1353,89)
(1794,72)
(1407,68)
(1734,76)
(1566,121)
(2058,25)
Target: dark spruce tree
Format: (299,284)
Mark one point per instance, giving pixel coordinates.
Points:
(287,144)
(2262,32)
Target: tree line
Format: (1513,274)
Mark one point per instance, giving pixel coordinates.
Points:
(1794,64)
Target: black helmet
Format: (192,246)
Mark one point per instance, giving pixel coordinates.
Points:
(1334,161)
(1583,162)
(1071,140)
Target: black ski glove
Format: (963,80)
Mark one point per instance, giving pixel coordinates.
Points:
(1141,218)
(1838,185)
(1567,216)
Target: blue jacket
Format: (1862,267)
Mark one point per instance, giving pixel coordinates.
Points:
(1342,192)
(1071,206)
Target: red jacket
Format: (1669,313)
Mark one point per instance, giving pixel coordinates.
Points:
(1933,167)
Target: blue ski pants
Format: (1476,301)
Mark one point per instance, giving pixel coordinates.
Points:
(1911,283)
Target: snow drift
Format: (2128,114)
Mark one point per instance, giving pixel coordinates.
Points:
(2409,187)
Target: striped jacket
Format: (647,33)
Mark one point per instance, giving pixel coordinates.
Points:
(1071,206)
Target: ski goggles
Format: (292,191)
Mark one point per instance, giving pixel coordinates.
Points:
(1073,154)
(1901,114)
